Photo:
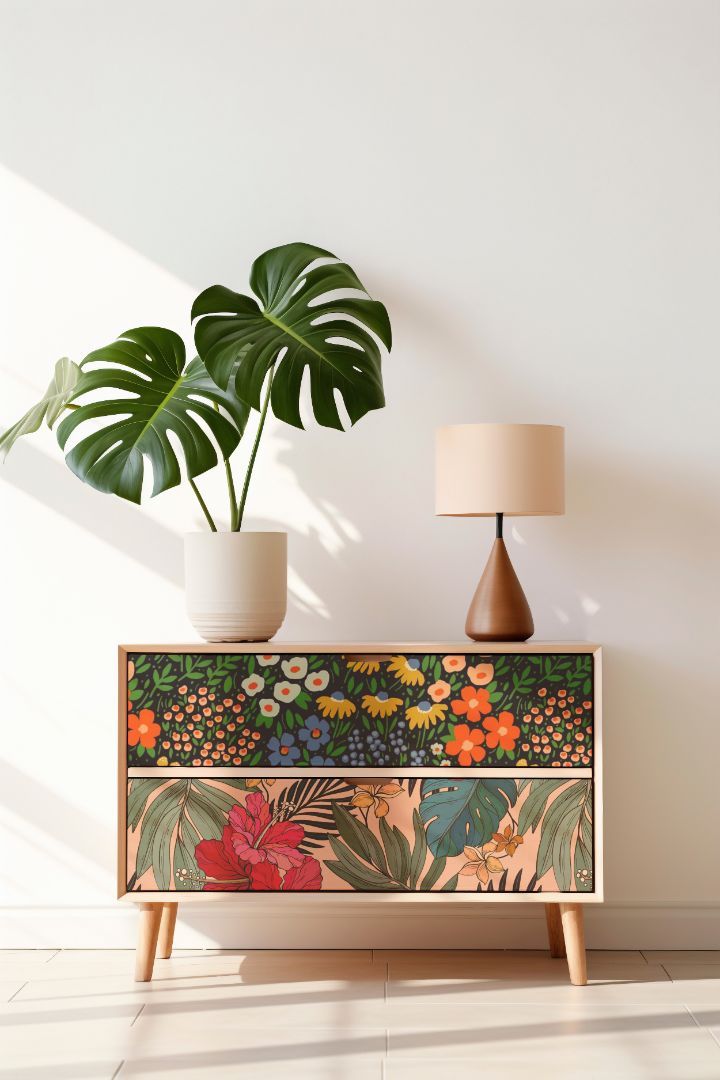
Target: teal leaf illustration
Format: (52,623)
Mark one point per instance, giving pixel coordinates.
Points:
(462,812)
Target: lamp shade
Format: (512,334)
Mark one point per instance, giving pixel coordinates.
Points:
(487,469)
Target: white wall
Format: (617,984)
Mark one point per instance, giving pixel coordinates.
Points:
(532,189)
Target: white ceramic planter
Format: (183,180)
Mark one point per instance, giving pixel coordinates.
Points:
(236,584)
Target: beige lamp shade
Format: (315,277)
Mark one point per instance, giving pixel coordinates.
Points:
(488,469)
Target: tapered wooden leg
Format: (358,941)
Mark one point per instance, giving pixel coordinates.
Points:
(167,931)
(555,930)
(150,915)
(574,934)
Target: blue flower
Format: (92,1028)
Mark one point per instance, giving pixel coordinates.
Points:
(283,751)
(319,760)
(315,732)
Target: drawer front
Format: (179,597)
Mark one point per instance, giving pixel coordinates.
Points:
(335,834)
(322,710)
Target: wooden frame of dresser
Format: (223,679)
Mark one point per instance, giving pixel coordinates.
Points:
(552,901)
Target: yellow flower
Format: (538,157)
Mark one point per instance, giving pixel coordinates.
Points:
(365,667)
(375,795)
(380,704)
(481,862)
(335,705)
(425,713)
(162,761)
(253,783)
(407,671)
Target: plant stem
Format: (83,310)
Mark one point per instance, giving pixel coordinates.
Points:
(253,455)
(232,496)
(230,485)
(204,508)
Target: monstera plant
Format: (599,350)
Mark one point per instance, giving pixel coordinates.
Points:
(118,408)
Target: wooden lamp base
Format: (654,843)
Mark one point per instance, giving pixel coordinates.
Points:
(499,610)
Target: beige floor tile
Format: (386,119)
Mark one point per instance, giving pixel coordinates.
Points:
(183,990)
(696,984)
(25,956)
(419,980)
(270,1051)
(691,1059)
(73,1069)
(232,1067)
(547,1033)
(621,956)
(679,956)
(330,1016)
(9,988)
(681,970)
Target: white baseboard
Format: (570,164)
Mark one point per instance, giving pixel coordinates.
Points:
(247,926)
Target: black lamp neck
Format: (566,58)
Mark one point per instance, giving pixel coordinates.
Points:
(498,526)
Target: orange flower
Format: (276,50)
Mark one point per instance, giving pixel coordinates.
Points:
(507,840)
(502,731)
(453,663)
(465,745)
(481,862)
(143,729)
(439,690)
(472,703)
(481,674)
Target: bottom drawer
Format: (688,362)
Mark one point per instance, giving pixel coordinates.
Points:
(332,834)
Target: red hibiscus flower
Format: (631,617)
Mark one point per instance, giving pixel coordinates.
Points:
(257,837)
(219,861)
(307,875)
(225,872)
(266,877)
(475,702)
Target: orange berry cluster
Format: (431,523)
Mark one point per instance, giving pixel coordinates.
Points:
(557,721)
(212,727)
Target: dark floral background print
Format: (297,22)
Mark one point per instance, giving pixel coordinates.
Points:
(323,710)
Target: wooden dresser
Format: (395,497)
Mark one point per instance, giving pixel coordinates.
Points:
(395,772)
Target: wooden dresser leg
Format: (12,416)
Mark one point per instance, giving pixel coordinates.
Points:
(555,930)
(150,915)
(167,931)
(574,933)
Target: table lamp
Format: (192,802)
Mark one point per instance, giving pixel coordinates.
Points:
(499,470)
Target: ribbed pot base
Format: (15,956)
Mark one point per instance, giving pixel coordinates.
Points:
(236,584)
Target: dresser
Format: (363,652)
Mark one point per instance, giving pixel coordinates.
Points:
(392,773)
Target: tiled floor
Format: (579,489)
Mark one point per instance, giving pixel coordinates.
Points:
(359,1016)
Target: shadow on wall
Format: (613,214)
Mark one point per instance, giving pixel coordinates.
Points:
(610,564)
(55,822)
(117,523)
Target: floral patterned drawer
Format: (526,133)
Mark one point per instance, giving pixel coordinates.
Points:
(334,834)
(321,710)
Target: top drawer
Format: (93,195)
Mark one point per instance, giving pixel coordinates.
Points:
(345,711)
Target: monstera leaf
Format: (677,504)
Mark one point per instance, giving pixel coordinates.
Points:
(300,327)
(48,408)
(159,395)
(463,812)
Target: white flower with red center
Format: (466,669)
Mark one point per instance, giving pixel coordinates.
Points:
(253,684)
(317,681)
(295,668)
(286,691)
(268,707)
(267,658)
